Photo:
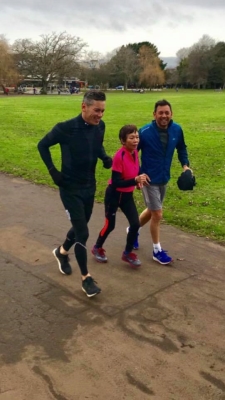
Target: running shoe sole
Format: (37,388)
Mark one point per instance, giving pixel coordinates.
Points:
(90,295)
(160,262)
(132,265)
(59,264)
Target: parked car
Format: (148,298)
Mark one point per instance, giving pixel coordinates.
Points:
(93,87)
(138,90)
(120,87)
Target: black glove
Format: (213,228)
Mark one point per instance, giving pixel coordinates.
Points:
(107,162)
(56,176)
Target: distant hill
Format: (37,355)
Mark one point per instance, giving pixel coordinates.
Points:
(171,62)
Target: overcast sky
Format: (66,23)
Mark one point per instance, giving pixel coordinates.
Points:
(107,24)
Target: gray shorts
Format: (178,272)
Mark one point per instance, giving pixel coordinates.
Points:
(153,196)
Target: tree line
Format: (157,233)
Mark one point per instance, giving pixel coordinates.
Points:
(200,66)
(58,55)
(133,65)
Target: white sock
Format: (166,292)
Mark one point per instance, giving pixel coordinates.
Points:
(138,229)
(156,247)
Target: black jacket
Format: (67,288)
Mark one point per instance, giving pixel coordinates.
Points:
(81,146)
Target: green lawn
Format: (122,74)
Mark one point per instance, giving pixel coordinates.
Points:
(26,119)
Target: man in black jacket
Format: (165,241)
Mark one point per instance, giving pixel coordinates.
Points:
(81,142)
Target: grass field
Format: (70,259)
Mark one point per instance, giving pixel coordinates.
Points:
(25,120)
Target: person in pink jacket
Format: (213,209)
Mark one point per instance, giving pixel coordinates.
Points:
(119,194)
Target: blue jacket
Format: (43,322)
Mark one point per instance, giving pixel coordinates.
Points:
(155,162)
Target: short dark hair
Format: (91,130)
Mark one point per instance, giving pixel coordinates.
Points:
(126,130)
(161,103)
(93,95)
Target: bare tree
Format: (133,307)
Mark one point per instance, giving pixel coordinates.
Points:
(171,77)
(217,71)
(124,65)
(8,72)
(151,74)
(97,77)
(183,53)
(195,62)
(183,72)
(53,56)
(108,56)
(198,67)
(205,42)
(92,55)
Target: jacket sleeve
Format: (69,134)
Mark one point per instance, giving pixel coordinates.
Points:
(102,153)
(107,160)
(182,150)
(119,182)
(140,140)
(52,138)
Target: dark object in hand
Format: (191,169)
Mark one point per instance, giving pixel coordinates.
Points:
(186,180)
(107,162)
(56,176)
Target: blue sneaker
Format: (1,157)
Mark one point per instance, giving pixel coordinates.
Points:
(136,244)
(162,257)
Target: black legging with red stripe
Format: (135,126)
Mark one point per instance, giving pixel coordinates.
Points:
(125,201)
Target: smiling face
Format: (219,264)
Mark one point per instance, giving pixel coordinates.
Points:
(131,142)
(93,113)
(163,115)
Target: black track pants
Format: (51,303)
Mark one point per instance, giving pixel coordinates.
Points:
(125,201)
(79,205)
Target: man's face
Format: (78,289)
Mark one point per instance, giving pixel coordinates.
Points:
(163,116)
(92,114)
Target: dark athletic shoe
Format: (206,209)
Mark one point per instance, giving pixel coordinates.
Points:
(89,287)
(63,262)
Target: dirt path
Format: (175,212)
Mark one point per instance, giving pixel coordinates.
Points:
(156,333)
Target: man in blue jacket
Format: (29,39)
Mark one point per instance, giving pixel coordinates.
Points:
(158,140)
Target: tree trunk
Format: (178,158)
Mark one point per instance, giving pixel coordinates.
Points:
(44,86)
(125,84)
(5,90)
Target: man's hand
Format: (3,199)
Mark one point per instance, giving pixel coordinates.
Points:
(185,167)
(142,180)
(56,176)
(107,162)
